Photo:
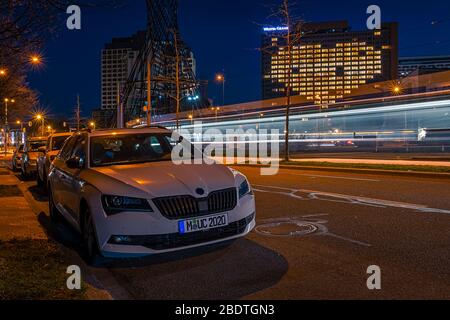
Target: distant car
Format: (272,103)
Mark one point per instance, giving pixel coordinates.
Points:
(16,160)
(121,190)
(47,154)
(30,155)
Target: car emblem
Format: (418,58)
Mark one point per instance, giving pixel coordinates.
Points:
(200,191)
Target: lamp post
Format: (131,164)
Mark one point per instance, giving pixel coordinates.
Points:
(220,78)
(6,122)
(41,117)
(6,109)
(216,111)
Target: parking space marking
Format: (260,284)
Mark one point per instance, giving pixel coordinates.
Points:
(336,197)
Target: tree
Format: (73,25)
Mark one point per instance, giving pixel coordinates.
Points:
(25,26)
(293,36)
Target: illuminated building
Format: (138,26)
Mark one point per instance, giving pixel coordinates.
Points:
(329,60)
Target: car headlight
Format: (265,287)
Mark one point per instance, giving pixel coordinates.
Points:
(244,189)
(117,204)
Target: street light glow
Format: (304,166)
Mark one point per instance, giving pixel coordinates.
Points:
(2,72)
(35,59)
(220,77)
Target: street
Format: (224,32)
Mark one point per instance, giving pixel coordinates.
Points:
(316,235)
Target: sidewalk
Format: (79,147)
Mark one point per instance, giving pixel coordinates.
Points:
(32,265)
(17,219)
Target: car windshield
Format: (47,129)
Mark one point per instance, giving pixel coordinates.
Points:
(128,149)
(33,146)
(58,143)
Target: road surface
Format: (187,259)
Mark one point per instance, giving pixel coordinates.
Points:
(317,234)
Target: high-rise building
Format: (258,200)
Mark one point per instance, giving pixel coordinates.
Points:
(328,60)
(408,65)
(118,58)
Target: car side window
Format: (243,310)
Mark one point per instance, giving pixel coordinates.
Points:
(79,149)
(66,151)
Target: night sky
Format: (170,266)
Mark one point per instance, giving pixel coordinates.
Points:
(224,35)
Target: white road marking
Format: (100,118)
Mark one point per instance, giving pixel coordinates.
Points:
(316,195)
(332,177)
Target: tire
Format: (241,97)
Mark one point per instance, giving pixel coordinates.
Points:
(55,214)
(24,174)
(39,181)
(90,243)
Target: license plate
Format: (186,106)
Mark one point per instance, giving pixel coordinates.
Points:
(202,223)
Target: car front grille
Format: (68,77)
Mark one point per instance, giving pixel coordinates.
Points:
(177,240)
(180,207)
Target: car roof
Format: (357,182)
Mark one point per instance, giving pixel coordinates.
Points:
(61,134)
(108,132)
(37,139)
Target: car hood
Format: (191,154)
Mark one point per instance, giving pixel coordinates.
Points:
(161,179)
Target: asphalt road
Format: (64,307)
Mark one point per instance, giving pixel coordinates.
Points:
(317,234)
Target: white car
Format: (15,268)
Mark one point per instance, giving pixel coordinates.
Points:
(122,192)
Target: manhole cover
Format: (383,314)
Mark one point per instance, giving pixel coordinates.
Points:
(286,228)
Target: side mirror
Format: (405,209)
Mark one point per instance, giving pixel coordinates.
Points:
(75,163)
(42,149)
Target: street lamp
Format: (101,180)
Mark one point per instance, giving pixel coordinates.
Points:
(216,110)
(6,108)
(7,100)
(191,117)
(220,78)
(92,124)
(40,117)
(2,72)
(35,59)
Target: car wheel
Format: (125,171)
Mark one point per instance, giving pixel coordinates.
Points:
(24,172)
(90,242)
(40,182)
(44,181)
(55,214)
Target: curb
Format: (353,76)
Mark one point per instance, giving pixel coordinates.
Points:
(418,174)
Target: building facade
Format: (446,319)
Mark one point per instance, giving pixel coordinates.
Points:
(328,60)
(409,65)
(118,58)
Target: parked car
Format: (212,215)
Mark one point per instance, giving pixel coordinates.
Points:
(47,154)
(16,160)
(122,192)
(30,155)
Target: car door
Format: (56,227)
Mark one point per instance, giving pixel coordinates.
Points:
(41,160)
(74,183)
(60,177)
